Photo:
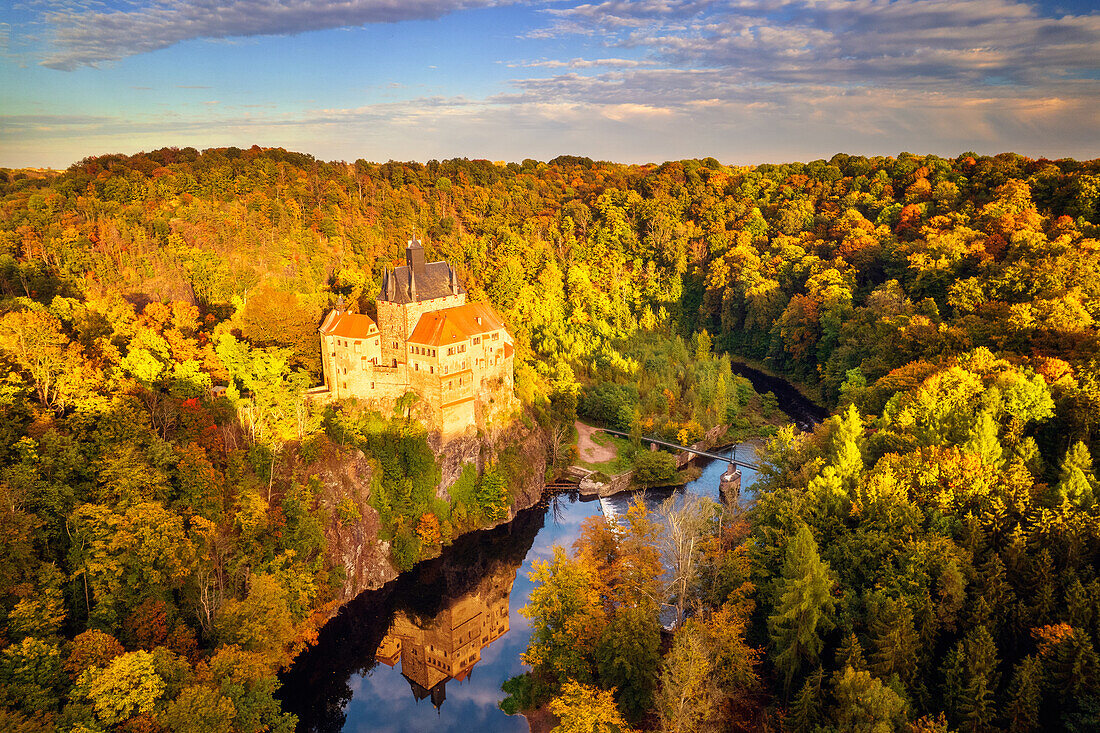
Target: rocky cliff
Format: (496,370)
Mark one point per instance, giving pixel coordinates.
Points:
(346,475)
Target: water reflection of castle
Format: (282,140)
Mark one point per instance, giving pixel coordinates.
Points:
(446,646)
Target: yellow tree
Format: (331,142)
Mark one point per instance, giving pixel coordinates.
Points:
(585,709)
(35,341)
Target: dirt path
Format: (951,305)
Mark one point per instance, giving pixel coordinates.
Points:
(588,451)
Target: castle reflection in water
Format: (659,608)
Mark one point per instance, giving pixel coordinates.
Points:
(436,621)
(444,647)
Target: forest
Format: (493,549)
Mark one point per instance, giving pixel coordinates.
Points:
(924,560)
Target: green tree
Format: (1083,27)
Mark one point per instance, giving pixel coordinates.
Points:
(566,618)
(894,641)
(260,623)
(847,435)
(984,441)
(492,495)
(198,709)
(654,467)
(31,677)
(1025,695)
(627,658)
(808,708)
(688,696)
(803,609)
(865,705)
(1076,482)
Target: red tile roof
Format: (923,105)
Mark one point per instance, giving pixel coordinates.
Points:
(451,325)
(348,325)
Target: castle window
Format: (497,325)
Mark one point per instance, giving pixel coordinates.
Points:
(477,340)
(372,385)
(451,351)
(495,335)
(431,369)
(416,366)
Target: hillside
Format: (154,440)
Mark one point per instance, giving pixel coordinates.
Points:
(167,546)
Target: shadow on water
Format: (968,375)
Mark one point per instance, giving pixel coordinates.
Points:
(804,412)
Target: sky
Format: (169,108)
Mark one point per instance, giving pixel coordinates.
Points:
(633,81)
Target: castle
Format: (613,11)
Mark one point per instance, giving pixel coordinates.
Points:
(456,356)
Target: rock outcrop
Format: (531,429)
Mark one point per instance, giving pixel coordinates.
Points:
(346,475)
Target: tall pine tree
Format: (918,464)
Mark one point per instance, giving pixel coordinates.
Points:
(804,607)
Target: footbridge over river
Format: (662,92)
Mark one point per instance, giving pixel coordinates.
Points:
(730,458)
(729,486)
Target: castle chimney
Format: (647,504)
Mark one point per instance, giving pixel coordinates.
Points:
(414,255)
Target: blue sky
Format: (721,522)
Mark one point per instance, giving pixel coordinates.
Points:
(745,81)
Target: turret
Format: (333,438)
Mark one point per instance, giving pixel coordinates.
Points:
(414,255)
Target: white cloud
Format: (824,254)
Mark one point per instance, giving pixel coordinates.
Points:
(87,36)
(912,42)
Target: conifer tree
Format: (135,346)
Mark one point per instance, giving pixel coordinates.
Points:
(954,678)
(1025,694)
(893,640)
(1078,605)
(804,607)
(984,441)
(807,711)
(845,454)
(1076,482)
(864,703)
(850,653)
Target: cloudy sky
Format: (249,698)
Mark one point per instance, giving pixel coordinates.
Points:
(745,81)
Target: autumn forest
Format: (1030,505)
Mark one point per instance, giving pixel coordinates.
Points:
(927,559)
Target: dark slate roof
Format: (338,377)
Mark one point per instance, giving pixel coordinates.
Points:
(433,280)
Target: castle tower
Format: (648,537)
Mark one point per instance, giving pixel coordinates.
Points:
(409,292)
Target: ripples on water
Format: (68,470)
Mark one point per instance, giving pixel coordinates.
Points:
(429,651)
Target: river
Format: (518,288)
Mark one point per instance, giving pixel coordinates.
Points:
(429,651)
(356,678)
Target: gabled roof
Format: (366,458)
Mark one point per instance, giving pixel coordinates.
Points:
(348,325)
(451,325)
